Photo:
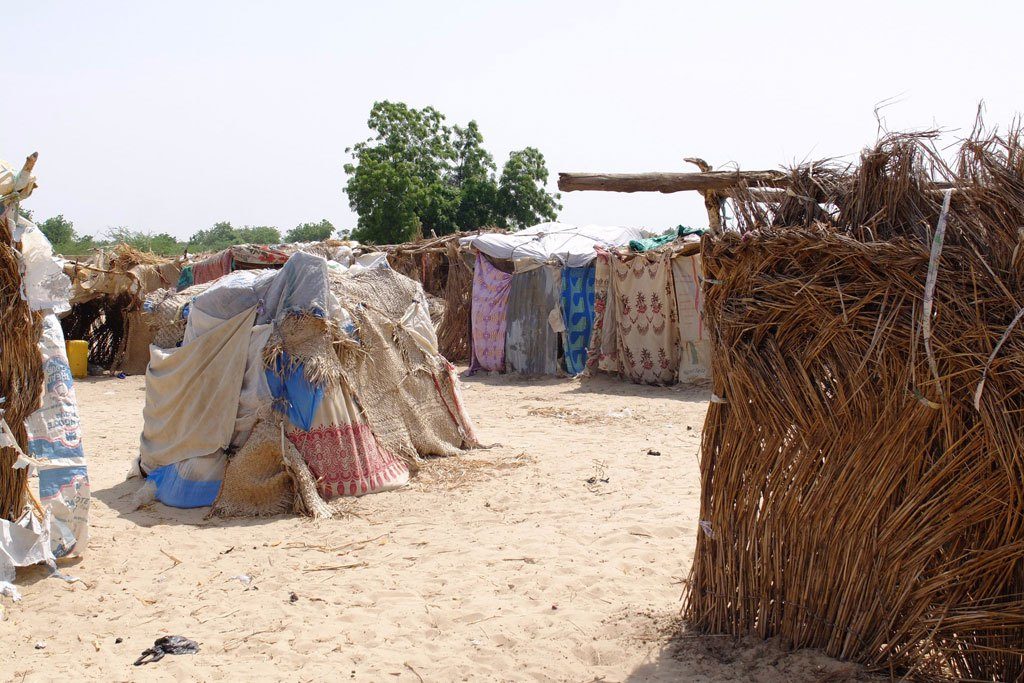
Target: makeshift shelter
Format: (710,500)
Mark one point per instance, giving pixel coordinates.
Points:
(39,425)
(533,296)
(648,326)
(446,273)
(108,291)
(165,311)
(867,365)
(319,380)
(867,359)
(209,267)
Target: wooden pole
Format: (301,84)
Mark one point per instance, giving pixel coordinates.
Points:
(712,200)
(681,182)
(670,182)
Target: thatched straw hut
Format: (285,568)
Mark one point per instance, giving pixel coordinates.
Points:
(108,291)
(863,455)
(21,366)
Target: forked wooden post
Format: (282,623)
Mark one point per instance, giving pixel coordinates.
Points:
(713,185)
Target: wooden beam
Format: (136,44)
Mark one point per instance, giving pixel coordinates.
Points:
(669,182)
(682,182)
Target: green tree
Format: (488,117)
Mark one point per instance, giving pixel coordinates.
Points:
(310,232)
(399,174)
(58,230)
(160,243)
(258,234)
(522,198)
(474,176)
(417,175)
(220,236)
(223,235)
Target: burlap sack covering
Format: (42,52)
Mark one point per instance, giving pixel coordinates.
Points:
(400,388)
(262,480)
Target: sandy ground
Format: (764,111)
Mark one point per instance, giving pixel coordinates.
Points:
(558,555)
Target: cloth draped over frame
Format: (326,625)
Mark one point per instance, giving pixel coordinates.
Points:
(694,347)
(652,243)
(603,353)
(186,279)
(192,394)
(407,392)
(578,315)
(531,343)
(491,288)
(645,314)
(212,267)
(342,451)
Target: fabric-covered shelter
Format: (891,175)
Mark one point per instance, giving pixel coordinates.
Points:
(44,517)
(533,296)
(206,268)
(649,307)
(305,361)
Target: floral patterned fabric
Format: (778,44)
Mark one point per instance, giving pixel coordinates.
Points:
(489,312)
(645,317)
(603,353)
(342,452)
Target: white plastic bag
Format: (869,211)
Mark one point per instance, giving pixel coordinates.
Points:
(46,285)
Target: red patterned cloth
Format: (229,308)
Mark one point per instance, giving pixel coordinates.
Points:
(645,318)
(342,452)
(213,267)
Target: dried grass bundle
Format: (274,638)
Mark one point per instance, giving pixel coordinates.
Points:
(856,496)
(453,332)
(124,257)
(21,365)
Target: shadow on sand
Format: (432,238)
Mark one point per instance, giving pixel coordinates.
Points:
(121,499)
(699,657)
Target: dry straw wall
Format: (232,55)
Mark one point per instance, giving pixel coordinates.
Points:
(856,497)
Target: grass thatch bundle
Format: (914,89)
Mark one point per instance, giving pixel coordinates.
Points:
(453,332)
(124,257)
(863,461)
(21,365)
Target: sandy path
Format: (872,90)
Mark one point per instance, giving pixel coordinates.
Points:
(505,566)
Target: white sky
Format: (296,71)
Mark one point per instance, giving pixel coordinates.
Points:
(169,116)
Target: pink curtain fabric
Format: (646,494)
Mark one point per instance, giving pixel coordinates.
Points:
(490,306)
(342,452)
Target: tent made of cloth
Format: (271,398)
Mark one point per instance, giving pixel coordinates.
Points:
(319,353)
(568,245)
(648,325)
(534,322)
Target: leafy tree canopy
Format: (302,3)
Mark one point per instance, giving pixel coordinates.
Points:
(223,235)
(160,243)
(416,174)
(310,232)
(58,229)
